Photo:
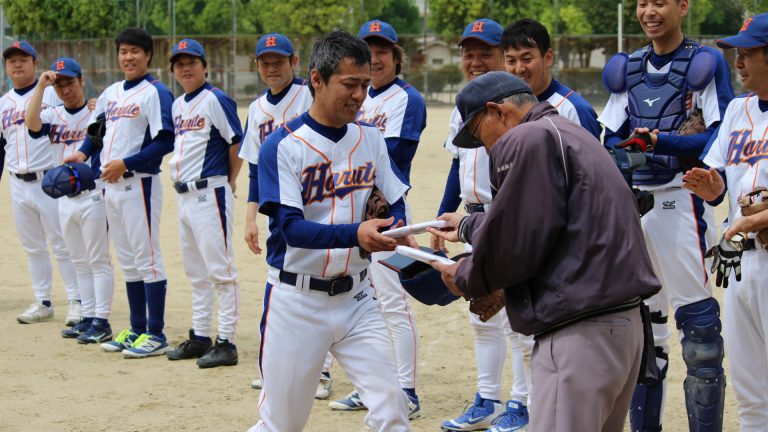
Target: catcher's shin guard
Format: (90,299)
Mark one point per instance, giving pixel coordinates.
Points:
(703,355)
(647,400)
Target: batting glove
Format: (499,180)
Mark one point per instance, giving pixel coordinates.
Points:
(727,256)
(641,142)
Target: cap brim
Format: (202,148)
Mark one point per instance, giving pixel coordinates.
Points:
(68,74)
(465,139)
(274,51)
(479,38)
(740,41)
(10,50)
(175,56)
(378,36)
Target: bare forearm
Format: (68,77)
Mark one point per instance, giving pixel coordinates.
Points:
(235,163)
(32,119)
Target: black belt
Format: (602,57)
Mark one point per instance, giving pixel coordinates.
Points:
(338,285)
(28,177)
(750,245)
(184,187)
(474,208)
(128,174)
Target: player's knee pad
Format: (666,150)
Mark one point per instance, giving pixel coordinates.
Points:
(645,407)
(703,354)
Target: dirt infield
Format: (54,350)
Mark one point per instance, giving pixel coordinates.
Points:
(48,383)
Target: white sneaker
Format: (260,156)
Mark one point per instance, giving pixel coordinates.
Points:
(74,313)
(256,384)
(324,386)
(36,312)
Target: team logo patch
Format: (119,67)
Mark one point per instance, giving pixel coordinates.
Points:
(650,101)
(181,125)
(59,65)
(742,149)
(182,45)
(319,182)
(378,120)
(114,112)
(128,187)
(361,295)
(96,198)
(202,198)
(477,27)
(375,27)
(668,205)
(271,41)
(12,117)
(59,134)
(747,22)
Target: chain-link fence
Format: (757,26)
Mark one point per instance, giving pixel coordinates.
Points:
(432,64)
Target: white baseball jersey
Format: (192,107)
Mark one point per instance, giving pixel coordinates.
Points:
(66,129)
(205,124)
(24,154)
(397,109)
(474,177)
(329,178)
(134,116)
(269,113)
(572,106)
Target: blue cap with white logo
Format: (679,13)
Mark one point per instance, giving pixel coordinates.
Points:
(188,47)
(485,30)
(274,43)
(20,45)
(67,67)
(753,34)
(378,28)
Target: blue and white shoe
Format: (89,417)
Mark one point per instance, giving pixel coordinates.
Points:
(414,407)
(123,341)
(96,333)
(350,403)
(478,416)
(76,330)
(147,345)
(515,417)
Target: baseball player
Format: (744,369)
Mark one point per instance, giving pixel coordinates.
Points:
(203,170)
(654,90)
(138,132)
(286,98)
(737,155)
(398,110)
(83,216)
(316,174)
(35,213)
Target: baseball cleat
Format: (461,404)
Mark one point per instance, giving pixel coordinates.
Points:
(36,312)
(74,315)
(514,418)
(190,348)
(77,329)
(256,384)
(414,407)
(96,333)
(477,416)
(123,341)
(323,386)
(147,345)
(222,353)
(350,403)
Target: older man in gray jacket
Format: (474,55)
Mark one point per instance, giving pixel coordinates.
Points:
(563,240)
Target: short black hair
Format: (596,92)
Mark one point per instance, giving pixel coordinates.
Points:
(526,33)
(135,36)
(330,51)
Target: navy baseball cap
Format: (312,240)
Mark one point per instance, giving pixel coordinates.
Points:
(188,47)
(20,45)
(489,87)
(485,30)
(67,67)
(753,34)
(420,280)
(274,43)
(378,28)
(68,180)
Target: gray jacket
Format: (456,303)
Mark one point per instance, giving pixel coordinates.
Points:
(562,237)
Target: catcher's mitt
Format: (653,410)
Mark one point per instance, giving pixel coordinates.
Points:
(693,125)
(488,306)
(96,133)
(753,203)
(376,207)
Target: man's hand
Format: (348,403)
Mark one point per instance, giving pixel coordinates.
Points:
(409,241)
(448,274)
(370,238)
(233,185)
(91,104)
(75,157)
(446,234)
(437,243)
(46,78)
(706,184)
(113,170)
(252,236)
(742,224)
(642,140)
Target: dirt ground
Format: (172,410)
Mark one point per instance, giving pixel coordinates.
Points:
(48,383)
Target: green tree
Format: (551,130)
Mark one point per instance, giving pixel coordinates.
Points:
(85,18)
(403,15)
(726,18)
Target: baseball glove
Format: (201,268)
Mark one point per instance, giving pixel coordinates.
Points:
(376,207)
(96,133)
(753,203)
(726,256)
(693,125)
(488,306)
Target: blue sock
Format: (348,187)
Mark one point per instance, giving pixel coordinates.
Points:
(46,303)
(411,392)
(155,292)
(203,338)
(137,304)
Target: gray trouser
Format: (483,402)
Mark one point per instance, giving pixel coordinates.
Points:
(584,374)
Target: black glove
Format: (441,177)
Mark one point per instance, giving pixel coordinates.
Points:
(96,133)
(727,256)
(641,142)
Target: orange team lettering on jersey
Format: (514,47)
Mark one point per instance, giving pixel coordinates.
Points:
(478,27)
(375,27)
(271,41)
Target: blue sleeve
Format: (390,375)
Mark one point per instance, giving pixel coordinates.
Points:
(722,81)
(86,147)
(452,194)
(688,145)
(398,211)
(161,145)
(588,120)
(230,112)
(402,151)
(415,117)
(300,233)
(45,130)
(253,183)
(96,164)
(612,138)
(2,155)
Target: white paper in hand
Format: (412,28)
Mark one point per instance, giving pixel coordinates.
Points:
(422,256)
(416,228)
